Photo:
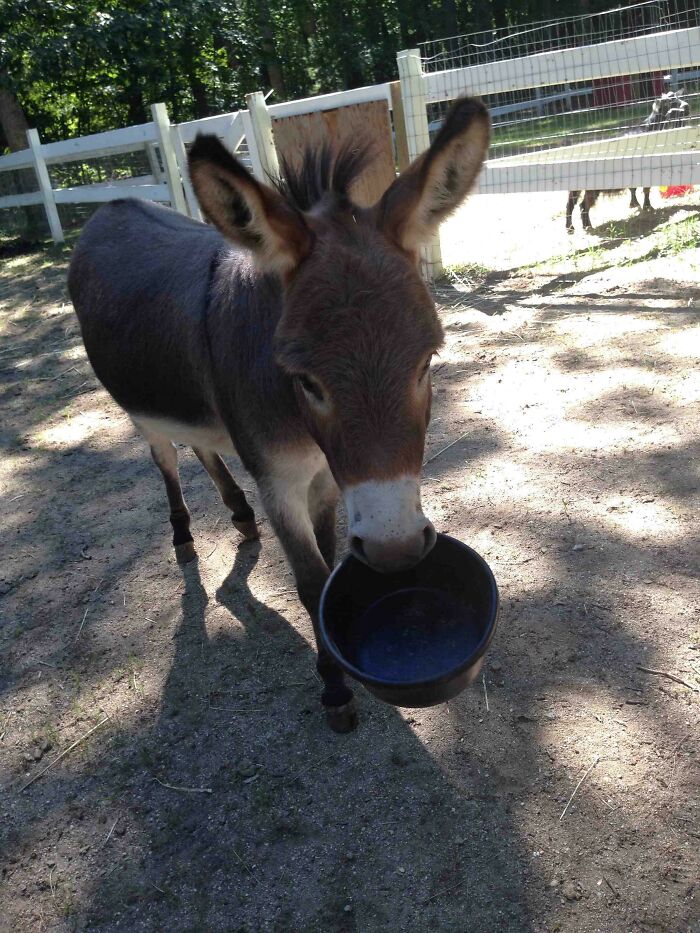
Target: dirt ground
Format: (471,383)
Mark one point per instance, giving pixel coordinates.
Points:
(204,792)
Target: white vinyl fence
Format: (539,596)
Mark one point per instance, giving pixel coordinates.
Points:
(247,133)
(562,77)
(669,157)
(163,184)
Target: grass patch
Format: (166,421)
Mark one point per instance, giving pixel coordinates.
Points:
(672,240)
(681,236)
(466,275)
(621,248)
(562,129)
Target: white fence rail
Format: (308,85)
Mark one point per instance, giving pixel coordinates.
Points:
(599,174)
(245,132)
(661,51)
(165,185)
(659,158)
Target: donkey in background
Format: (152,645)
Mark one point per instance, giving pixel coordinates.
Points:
(667,112)
(305,347)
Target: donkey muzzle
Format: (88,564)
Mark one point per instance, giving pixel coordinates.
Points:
(386,525)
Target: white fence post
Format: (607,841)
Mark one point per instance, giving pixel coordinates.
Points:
(418,138)
(235,134)
(181,157)
(252,143)
(262,132)
(172,174)
(42,174)
(152,157)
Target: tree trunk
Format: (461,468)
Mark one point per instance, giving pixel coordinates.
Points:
(136,111)
(450,22)
(272,64)
(500,17)
(12,120)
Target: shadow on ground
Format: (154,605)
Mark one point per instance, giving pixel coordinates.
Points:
(212,798)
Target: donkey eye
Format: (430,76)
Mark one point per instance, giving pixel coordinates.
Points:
(425,370)
(311,387)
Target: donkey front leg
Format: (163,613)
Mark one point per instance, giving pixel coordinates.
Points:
(286,500)
(164,456)
(242,515)
(646,206)
(323,500)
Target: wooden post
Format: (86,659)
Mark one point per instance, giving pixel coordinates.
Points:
(403,160)
(181,157)
(418,140)
(42,175)
(161,120)
(262,131)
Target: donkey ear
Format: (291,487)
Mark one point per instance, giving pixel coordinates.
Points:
(413,207)
(245,211)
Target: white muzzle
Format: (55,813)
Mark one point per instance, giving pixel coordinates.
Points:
(386,525)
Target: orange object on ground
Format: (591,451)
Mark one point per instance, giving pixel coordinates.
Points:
(674,191)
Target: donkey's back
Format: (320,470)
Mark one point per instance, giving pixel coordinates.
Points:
(140,280)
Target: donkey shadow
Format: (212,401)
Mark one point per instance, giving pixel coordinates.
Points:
(302,829)
(638,224)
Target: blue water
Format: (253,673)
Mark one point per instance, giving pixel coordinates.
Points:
(414,635)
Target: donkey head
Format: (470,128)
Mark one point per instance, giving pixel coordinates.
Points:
(358,327)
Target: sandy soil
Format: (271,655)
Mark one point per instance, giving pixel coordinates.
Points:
(205,792)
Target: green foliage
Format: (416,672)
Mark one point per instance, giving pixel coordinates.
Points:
(81,66)
(466,275)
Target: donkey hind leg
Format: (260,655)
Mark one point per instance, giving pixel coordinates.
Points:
(570,205)
(646,206)
(587,202)
(633,198)
(286,499)
(242,515)
(164,455)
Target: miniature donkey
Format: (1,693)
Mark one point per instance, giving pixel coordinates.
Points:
(295,331)
(667,112)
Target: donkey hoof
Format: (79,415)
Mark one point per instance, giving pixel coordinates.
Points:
(185,552)
(248,529)
(342,718)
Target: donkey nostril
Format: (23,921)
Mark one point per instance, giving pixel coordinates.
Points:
(429,539)
(357,548)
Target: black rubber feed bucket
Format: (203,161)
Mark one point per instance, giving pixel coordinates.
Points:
(414,638)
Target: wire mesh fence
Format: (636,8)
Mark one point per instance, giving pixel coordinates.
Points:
(588,112)
(479,48)
(30,222)
(605,86)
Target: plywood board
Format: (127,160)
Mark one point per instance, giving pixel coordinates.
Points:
(358,123)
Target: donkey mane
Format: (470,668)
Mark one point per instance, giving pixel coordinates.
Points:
(323,170)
